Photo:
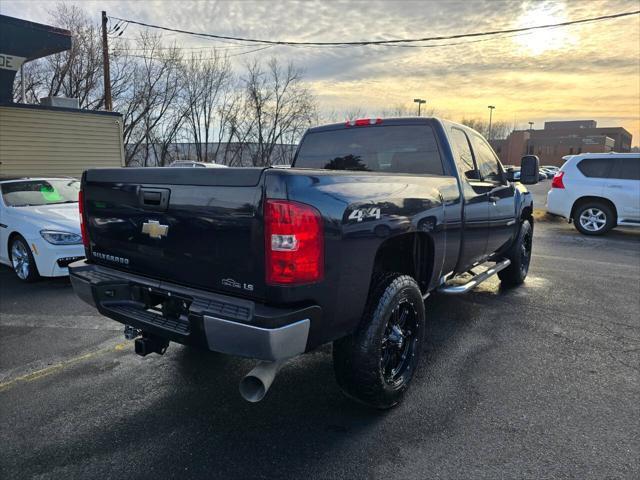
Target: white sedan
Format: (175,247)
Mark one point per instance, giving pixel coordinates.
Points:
(39,226)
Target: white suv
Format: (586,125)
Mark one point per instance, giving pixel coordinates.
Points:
(597,191)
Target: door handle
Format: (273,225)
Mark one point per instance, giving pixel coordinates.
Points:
(493,198)
(614,186)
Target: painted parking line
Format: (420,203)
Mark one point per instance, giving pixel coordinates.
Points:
(51,369)
(87,322)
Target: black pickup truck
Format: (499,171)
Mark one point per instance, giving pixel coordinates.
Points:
(343,247)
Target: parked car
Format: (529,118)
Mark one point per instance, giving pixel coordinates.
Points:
(547,173)
(39,226)
(597,191)
(343,247)
(191,164)
(516,175)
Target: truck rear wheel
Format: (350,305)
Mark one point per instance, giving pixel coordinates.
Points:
(520,256)
(376,363)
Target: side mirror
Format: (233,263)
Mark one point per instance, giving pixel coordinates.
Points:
(510,173)
(529,169)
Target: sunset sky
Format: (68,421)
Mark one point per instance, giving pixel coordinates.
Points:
(589,71)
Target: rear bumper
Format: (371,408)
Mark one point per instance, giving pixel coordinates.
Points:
(219,323)
(559,203)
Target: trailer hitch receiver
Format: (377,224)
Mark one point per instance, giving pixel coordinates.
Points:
(148,344)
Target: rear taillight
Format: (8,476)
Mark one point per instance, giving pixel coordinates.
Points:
(557,180)
(83,224)
(294,243)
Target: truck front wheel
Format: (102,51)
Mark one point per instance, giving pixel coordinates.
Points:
(376,363)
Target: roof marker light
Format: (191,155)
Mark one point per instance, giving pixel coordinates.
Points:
(362,122)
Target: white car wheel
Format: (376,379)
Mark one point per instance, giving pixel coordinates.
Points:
(593,219)
(22,261)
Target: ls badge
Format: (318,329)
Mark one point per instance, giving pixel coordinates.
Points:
(155,229)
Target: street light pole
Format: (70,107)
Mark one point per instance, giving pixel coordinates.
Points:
(491,107)
(530,126)
(419,101)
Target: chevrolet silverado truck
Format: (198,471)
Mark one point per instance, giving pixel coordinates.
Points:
(343,247)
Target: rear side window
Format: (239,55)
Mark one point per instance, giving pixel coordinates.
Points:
(626,168)
(595,167)
(392,149)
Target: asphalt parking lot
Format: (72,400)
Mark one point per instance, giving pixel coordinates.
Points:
(542,381)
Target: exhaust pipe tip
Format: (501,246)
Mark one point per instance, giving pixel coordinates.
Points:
(255,385)
(252,389)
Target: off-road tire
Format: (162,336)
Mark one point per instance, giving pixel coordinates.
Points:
(358,358)
(515,273)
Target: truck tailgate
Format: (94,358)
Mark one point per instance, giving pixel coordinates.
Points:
(193,226)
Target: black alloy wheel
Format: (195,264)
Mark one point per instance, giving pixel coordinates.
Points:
(399,341)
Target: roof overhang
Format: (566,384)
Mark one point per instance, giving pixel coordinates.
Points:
(22,41)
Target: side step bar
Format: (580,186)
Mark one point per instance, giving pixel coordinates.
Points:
(475,280)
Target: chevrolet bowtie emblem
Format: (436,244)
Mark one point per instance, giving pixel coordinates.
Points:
(154,229)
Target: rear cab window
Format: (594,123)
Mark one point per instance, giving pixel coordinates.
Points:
(385,148)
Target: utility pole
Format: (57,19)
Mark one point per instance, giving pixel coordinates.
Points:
(22,90)
(419,101)
(105,64)
(491,107)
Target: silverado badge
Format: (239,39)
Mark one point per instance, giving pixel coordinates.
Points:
(155,229)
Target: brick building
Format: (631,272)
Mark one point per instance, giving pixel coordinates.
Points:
(558,139)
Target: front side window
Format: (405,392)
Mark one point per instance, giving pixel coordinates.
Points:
(486,160)
(391,149)
(464,157)
(40,192)
(626,168)
(595,167)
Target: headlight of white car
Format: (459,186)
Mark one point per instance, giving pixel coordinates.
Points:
(61,238)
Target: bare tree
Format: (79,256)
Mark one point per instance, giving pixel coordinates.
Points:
(499,129)
(399,110)
(207,96)
(35,79)
(164,99)
(151,97)
(353,112)
(75,73)
(277,107)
